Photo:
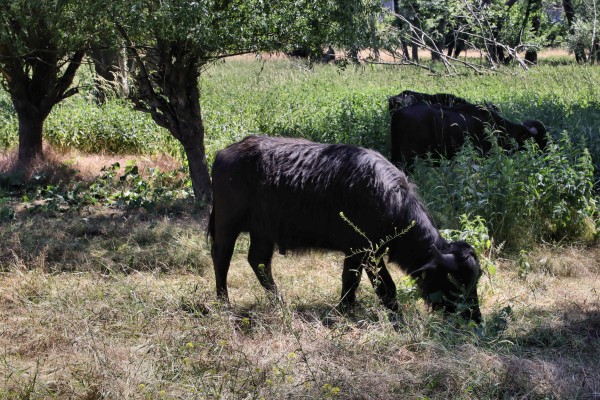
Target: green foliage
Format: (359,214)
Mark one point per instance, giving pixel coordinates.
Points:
(210,29)
(128,189)
(524,196)
(58,24)
(585,38)
(474,231)
(114,128)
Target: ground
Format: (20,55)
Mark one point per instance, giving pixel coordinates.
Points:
(110,303)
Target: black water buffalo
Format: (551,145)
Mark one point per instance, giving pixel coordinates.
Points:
(422,128)
(290,193)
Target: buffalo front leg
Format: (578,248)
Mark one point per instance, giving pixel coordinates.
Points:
(384,285)
(260,255)
(351,278)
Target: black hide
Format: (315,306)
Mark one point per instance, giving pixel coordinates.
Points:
(290,193)
(408,98)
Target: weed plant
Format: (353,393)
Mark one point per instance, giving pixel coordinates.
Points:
(153,191)
(524,196)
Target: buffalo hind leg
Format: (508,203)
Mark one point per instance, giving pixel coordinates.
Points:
(221,252)
(350,279)
(384,285)
(260,255)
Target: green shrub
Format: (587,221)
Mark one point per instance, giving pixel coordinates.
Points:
(524,196)
(475,232)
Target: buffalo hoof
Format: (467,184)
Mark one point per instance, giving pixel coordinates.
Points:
(396,320)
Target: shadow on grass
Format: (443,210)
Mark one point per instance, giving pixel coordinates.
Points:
(575,330)
(556,358)
(16,179)
(104,240)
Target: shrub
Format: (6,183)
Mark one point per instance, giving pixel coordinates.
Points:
(524,196)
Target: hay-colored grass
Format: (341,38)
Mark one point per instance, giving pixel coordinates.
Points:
(155,330)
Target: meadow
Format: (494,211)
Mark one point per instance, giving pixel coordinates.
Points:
(106,285)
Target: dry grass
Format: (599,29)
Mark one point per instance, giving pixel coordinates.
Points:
(105,304)
(65,166)
(121,305)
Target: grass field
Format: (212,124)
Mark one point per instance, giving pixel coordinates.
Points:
(106,284)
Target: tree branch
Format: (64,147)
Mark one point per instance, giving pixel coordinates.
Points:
(157,107)
(60,90)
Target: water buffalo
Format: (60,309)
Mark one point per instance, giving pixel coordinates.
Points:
(422,128)
(290,193)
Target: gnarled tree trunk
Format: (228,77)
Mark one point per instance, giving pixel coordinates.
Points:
(171,95)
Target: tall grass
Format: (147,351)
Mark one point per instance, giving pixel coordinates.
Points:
(334,105)
(524,196)
(325,103)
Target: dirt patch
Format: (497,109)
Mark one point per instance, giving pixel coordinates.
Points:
(58,167)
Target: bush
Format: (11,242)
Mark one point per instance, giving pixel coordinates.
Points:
(525,196)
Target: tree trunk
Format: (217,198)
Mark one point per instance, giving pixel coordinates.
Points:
(533,10)
(570,15)
(405,53)
(167,79)
(415,53)
(189,130)
(437,52)
(196,156)
(33,95)
(30,136)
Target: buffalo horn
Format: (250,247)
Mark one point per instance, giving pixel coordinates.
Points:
(446,261)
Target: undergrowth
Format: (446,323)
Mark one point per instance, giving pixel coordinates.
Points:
(524,196)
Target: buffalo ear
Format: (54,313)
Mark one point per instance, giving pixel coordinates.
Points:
(533,130)
(446,261)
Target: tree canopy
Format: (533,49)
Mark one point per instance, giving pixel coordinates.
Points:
(172,41)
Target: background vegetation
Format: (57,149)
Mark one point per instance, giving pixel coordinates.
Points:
(553,192)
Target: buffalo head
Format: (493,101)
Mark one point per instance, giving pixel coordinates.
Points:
(449,280)
(537,130)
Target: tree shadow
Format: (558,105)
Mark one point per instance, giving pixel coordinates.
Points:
(17,178)
(104,240)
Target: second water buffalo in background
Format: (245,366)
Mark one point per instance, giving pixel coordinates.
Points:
(423,128)
(408,98)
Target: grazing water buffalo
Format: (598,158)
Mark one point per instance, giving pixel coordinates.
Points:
(290,193)
(422,128)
